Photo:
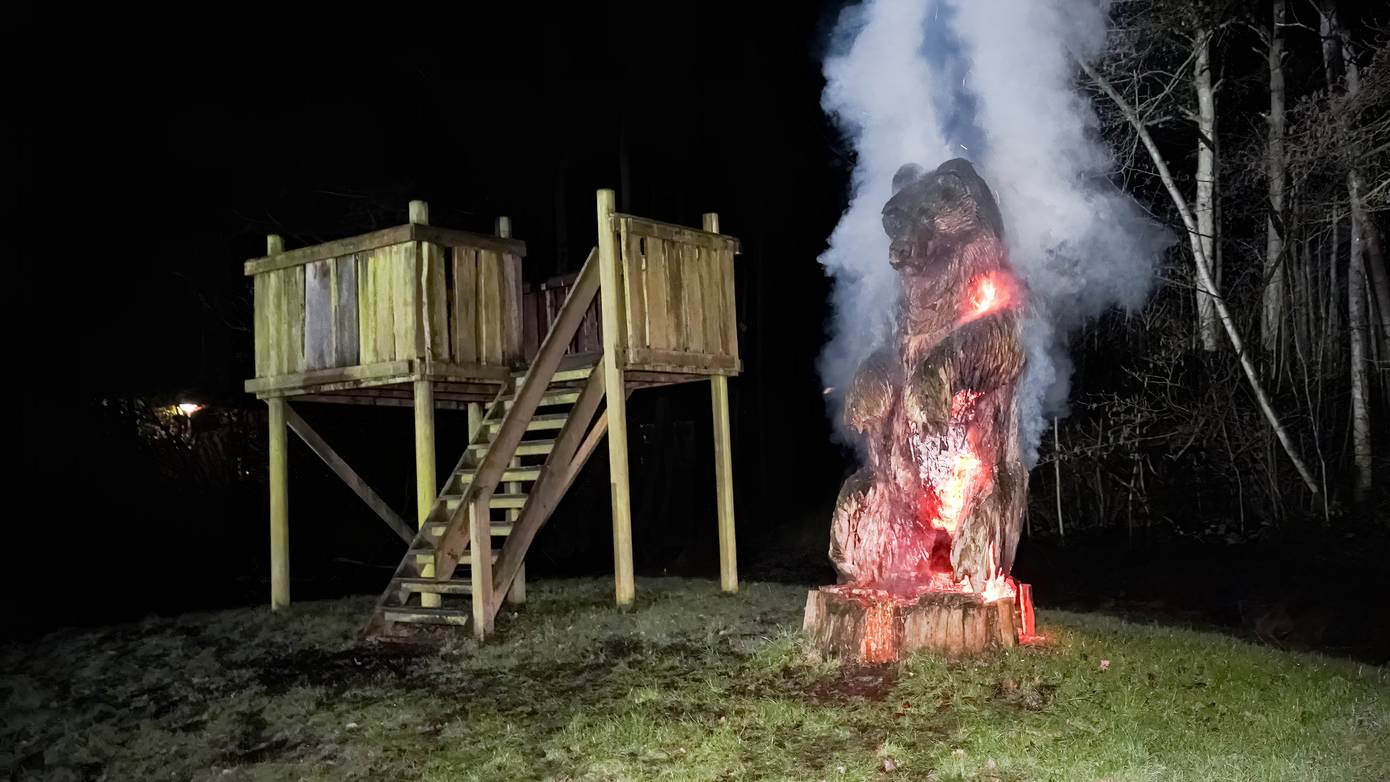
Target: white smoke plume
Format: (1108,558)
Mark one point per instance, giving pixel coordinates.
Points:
(992,81)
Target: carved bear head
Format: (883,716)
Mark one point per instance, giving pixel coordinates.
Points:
(933,214)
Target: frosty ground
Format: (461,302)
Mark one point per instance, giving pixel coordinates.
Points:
(688,685)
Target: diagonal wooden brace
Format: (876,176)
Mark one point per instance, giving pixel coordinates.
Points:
(348,475)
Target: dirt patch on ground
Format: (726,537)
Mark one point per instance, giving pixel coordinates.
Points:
(319,668)
(1026,695)
(869,682)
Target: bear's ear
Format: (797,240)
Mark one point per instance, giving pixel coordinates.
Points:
(909,173)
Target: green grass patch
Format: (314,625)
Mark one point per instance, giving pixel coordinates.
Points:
(691,685)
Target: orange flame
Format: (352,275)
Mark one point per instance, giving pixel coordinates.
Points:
(953,492)
(988,292)
(984,296)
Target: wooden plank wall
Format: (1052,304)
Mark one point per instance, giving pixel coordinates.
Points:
(679,292)
(485,307)
(385,304)
(540,306)
(279,326)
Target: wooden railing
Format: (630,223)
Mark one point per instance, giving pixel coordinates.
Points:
(540,305)
(413,292)
(678,297)
(678,294)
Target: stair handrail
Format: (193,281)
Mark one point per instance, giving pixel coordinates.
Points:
(455,539)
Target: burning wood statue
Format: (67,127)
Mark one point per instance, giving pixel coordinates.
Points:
(923,536)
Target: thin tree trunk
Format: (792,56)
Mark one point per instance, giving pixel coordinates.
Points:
(1331,45)
(1204,274)
(1356,330)
(1206,187)
(1380,284)
(1273,300)
(1332,312)
(1361,449)
(1057,476)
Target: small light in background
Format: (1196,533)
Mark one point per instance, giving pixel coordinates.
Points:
(189,408)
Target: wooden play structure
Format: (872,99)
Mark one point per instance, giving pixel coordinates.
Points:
(437,319)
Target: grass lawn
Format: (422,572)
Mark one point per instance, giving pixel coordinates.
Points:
(689,686)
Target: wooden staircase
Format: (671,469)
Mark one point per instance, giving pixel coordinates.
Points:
(533,439)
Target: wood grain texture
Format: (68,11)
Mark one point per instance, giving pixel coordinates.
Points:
(677,233)
(405,302)
(318,315)
(464,318)
(614,359)
(279,504)
(656,297)
(952,624)
(434,302)
(489,308)
(511,310)
(291,313)
(345,330)
(634,265)
(260,295)
(446,237)
(727,308)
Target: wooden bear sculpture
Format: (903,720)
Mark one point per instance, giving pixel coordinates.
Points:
(939,502)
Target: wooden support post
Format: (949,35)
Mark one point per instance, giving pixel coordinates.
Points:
(425,486)
(475,419)
(480,562)
(419,213)
(279,483)
(723,465)
(516,595)
(279,506)
(611,299)
(724,484)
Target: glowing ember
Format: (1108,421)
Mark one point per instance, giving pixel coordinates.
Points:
(953,493)
(984,296)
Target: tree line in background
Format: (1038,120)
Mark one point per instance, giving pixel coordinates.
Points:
(1252,387)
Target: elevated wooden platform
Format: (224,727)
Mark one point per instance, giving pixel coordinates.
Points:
(433,318)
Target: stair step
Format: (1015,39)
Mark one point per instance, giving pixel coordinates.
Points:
(426,555)
(510,475)
(433,616)
(562,376)
(499,528)
(451,501)
(454,586)
(537,422)
(551,399)
(526,448)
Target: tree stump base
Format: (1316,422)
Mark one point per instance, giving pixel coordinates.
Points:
(873,626)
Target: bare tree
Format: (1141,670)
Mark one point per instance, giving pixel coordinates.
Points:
(1204,272)
(1207,235)
(1357,332)
(1271,314)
